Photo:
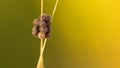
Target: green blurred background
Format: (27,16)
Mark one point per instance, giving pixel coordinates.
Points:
(86,34)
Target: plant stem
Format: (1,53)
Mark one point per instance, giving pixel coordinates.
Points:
(56,3)
(41,8)
(43,47)
(40,62)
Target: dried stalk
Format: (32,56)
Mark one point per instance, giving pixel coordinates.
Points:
(40,62)
(54,10)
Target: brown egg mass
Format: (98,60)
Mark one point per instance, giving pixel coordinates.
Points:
(42,28)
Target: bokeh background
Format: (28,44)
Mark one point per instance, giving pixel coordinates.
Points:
(86,34)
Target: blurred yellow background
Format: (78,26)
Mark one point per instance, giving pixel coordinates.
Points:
(85,34)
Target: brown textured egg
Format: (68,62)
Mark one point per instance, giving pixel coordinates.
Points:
(46,18)
(35,31)
(42,24)
(36,22)
(41,35)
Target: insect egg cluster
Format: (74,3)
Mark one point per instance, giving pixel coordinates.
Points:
(42,27)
